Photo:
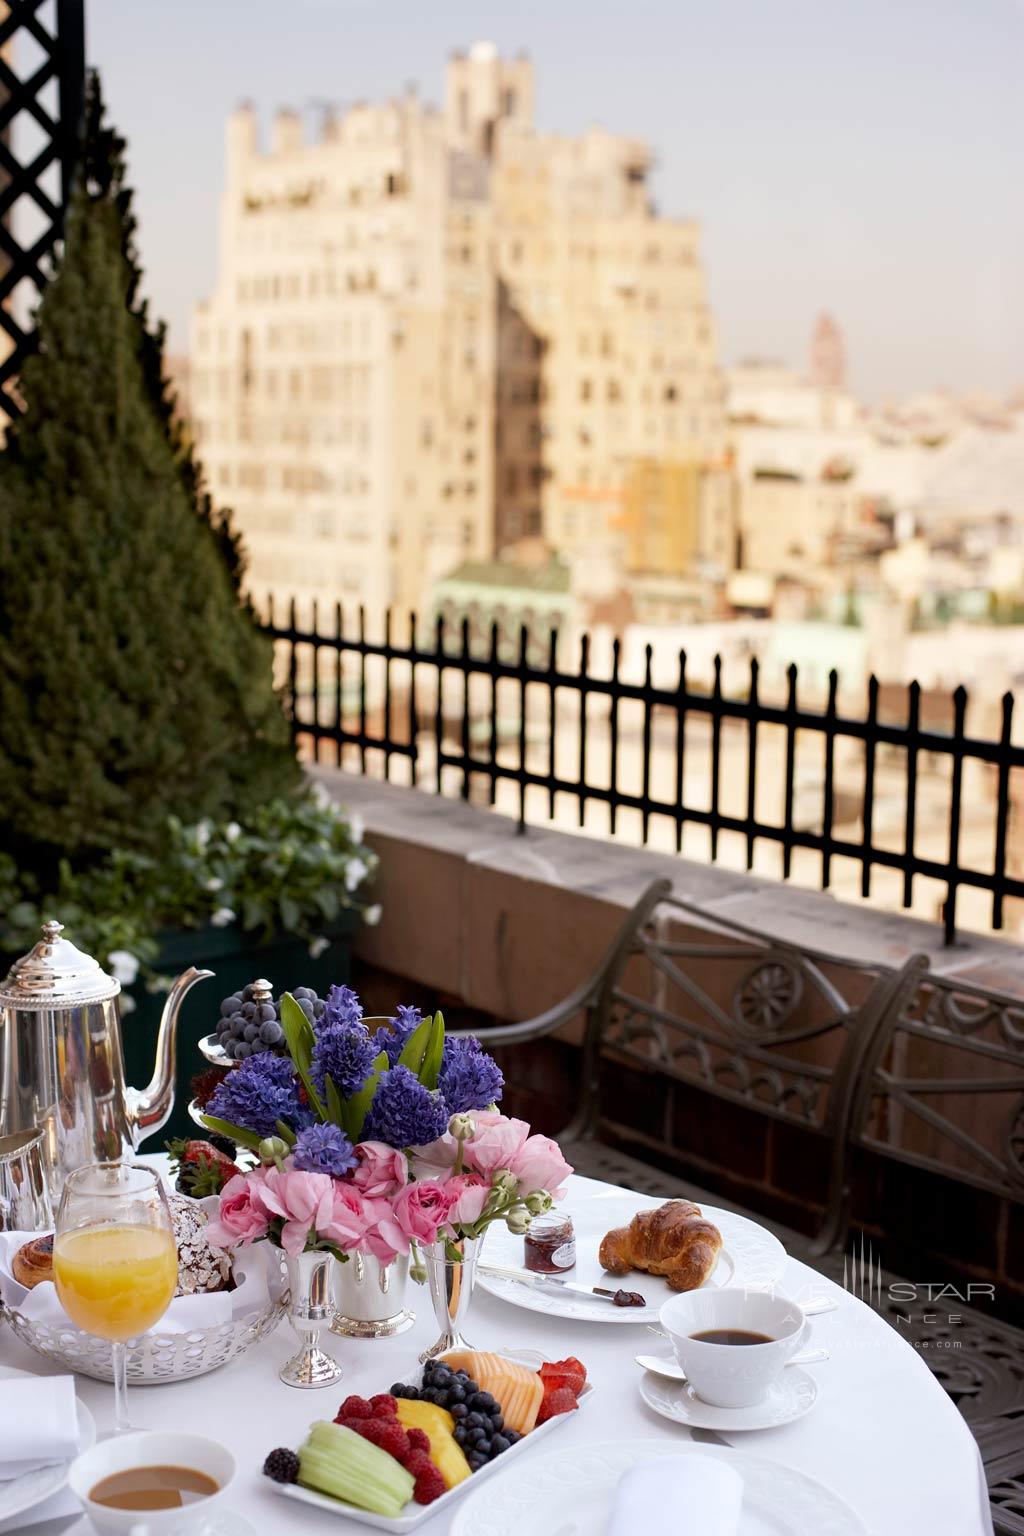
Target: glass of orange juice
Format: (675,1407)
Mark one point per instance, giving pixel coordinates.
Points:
(115,1260)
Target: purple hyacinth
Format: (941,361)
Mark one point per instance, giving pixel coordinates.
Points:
(404,1113)
(469,1077)
(342,1006)
(259,1093)
(324,1149)
(347,1052)
(393,1039)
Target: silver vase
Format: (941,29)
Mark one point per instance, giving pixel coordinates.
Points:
(310,1278)
(451,1280)
(24,1196)
(369,1297)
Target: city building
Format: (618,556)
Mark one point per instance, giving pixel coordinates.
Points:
(436,334)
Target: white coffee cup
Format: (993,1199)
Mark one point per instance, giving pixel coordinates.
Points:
(733,1375)
(151,1448)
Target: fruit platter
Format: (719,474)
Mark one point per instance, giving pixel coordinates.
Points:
(402,1457)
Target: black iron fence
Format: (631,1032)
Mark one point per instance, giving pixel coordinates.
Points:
(898,785)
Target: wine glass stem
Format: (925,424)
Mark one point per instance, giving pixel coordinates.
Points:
(120,1363)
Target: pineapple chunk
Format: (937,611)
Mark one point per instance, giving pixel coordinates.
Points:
(518,1389)
(437,1424)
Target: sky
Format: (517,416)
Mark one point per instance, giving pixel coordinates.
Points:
(860,156)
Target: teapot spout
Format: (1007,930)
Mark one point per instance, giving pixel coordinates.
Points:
(147,1110)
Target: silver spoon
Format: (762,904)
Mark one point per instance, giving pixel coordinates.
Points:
(661,1365)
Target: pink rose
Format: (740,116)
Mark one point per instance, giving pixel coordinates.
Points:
(539,1164)
(239,1219)
(305,1202)
(350,1216)
(471,1193)
(496,1142)
(420,1210)
(381,1170)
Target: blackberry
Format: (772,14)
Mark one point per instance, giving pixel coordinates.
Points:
(282,1465)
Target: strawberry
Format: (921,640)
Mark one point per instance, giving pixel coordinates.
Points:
(202,1168)
(565,1373)
(561,1400)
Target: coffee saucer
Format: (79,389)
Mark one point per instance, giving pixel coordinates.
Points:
(790,1397)
(223,1522)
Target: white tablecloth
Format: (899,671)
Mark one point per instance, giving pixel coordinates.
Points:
(883,1434)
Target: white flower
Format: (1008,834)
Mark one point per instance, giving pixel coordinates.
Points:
(222,917)
(203,830)
(126,1004)
(215,883)
(355,873)
(356,827)
(321,796)
(317,947)
(232,831)
(124,966)
(371,917)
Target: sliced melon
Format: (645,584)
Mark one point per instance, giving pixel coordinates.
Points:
(518,1389)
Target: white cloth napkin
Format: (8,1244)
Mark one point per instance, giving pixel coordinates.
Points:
(705,1489)
(38,1423)
(185,1313)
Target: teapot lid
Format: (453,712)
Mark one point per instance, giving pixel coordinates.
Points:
(54,974)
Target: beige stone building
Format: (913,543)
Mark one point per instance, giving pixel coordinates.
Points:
(435,334)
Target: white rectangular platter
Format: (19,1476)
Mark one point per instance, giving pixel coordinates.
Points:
(417,1514)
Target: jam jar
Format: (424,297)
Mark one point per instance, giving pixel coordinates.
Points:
(550,1244)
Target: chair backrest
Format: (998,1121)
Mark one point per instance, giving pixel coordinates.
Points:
(944,1085)
(751,1019)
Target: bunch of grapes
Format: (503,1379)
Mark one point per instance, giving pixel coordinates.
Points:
(247,1026)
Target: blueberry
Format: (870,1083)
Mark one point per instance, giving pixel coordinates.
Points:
(399,1389)
(499,1443)
(513,1436)
(483,1447)
(476,1462)
(459,1434)
(497,1422)
(456,1394)
(458,1411)
(481,1402)
(475,1421)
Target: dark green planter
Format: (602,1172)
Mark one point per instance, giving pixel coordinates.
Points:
(236,958)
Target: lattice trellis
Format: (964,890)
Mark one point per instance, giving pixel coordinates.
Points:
(42,81)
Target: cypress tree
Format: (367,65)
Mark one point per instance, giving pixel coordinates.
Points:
(134,683)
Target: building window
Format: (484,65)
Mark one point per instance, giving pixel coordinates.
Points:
(585,390)
(614,392)
(509,101)
(670,392)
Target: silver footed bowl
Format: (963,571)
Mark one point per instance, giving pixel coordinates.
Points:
(157,1357)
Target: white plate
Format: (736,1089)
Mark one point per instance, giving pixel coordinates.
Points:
(25,1492)
(794,1394)
(568,1493)
(418,1514)
(751,1256)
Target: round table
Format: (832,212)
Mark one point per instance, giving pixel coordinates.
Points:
(883,1435)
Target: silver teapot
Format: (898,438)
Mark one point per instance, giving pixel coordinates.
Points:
(61,1067)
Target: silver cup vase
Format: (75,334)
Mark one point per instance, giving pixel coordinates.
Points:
(369,1297)
(311,1280)
(451,1276)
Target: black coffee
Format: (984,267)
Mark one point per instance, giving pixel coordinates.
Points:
(731,1336)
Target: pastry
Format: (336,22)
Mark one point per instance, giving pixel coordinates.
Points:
(674,1241)
(33,1262)
(200,1267)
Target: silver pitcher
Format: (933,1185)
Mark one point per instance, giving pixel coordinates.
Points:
(61,1068)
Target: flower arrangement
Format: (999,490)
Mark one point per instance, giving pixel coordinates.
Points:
(375,1142)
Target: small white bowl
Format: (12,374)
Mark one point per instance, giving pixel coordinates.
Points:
(733,1375)
(151,1448)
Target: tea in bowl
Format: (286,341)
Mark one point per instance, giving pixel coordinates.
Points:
(733,1344)
(152,1483)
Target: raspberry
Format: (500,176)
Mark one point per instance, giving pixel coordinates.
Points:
(390,1437)
(384,1406)
(429,1484)
(417,1461)
(561,1400)
(419,1440)
(354,1408)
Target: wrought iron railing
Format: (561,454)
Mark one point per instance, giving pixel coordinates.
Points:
(42,84)
(440,705)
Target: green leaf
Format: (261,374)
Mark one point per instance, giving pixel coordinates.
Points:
(357,1107)
(430,1069)
(415,1047)
(335,1108)
(244,1138)
(285,1132)
(290,914)
(299,1037)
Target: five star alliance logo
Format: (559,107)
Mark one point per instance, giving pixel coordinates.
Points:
(862,1274)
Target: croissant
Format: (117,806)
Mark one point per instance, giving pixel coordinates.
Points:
(674,1241)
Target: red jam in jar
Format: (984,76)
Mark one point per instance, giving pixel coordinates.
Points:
(550,1244)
